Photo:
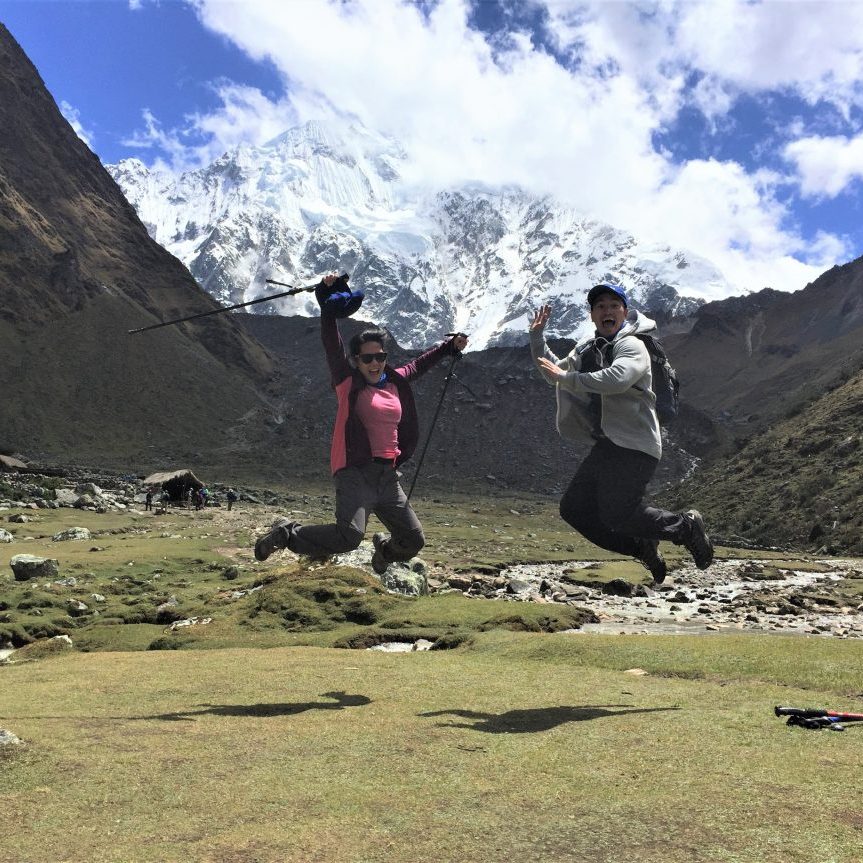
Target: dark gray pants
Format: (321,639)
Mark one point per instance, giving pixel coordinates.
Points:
(361,491)
(604,501)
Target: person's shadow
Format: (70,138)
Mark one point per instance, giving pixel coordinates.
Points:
(536,719)
(340,701)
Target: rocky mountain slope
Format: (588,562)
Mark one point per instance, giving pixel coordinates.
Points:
(798,483)
(317,199)
(77,270)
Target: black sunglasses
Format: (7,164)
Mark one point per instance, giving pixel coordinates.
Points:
(368,359)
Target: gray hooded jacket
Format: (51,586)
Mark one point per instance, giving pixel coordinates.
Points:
(624,385)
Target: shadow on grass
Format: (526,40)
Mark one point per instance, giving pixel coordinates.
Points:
(536,719)
(340,702)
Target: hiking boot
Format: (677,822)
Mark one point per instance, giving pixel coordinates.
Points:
(698,544)
(651,557)
(277,538)
(379,562)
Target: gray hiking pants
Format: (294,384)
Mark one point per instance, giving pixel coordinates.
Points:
(360,491)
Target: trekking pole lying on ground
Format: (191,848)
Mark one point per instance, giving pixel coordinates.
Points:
(815,718)
(229,308)
(455,358)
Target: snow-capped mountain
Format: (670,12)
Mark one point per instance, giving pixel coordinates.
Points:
(476,260)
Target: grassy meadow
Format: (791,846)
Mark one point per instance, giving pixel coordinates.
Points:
(521,742)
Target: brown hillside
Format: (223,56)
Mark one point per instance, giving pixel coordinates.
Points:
(77,270)
(800,483)
(749,360)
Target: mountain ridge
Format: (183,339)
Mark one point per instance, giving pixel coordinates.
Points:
(473,259)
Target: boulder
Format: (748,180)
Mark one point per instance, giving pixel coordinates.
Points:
(88,488)
(5,536)
(402,579)
(71,533)
(19,519)
(66,496)
(7,738)
(27,566)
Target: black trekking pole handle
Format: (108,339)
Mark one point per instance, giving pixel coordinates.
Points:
(455,358)
(227,308)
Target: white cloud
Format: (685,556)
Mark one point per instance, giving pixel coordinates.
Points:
(813,47)
(584,131)
(826,166)
(73,118)
(245,116)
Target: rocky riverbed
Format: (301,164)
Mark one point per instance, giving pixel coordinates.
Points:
(796,595)
(824,598)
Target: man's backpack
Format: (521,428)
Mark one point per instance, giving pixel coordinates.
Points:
(666,386)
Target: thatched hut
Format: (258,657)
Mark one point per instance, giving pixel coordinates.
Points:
(177,483)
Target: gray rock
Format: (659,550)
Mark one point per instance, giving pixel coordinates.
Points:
(460,582)
(402,579)
(27,566)
(5,536)
(88,488)
(85,502)
(7,738)
(69,581)
(71,533)
(65,497)
(19,519)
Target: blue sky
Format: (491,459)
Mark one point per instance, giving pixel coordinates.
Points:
(728,127)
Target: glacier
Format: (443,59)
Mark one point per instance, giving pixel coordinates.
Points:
(473,259)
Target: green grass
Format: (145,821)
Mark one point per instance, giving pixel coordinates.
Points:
(521,743)
(521,747)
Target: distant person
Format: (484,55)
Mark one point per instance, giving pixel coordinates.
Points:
(166,499)
(148,500)
(375,432)
(190,497)
(231,496)
(604,394)
(199,500)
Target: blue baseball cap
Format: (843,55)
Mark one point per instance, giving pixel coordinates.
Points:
(607,288)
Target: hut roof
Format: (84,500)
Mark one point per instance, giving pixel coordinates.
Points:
(184,477)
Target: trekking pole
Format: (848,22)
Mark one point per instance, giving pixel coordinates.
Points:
(228,308)
(455,358)
(816,718)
